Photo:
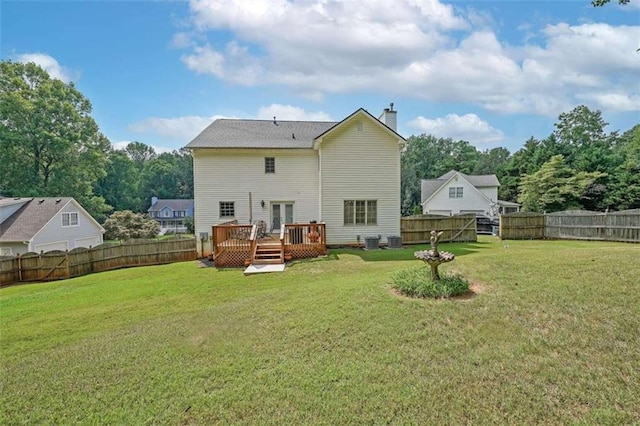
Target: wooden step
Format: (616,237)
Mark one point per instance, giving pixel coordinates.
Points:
(267,255)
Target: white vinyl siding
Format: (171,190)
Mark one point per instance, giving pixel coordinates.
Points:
(360,165)
(473,199)
(233,174)
(55,232)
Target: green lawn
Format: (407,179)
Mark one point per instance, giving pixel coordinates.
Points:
(552,337)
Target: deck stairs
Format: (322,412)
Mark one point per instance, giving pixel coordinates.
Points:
(267,254)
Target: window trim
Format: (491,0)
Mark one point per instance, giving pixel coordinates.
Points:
(359,212)
(70,223)
(456,192)
(269,165)
(230,205)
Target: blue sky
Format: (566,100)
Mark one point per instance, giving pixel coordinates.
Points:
(491,72)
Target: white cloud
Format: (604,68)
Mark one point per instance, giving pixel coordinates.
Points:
(289,112)
(468,127)
(181,41)
(418,48)
(179,128)
(49,64)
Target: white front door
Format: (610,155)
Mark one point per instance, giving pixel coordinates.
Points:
(281,212)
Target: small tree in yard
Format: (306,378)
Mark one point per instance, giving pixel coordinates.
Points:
(125,225)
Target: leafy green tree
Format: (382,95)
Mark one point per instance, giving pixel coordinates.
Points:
(49,143)
(140,153)
(125,225)
(624,191)
(158,178)
(427,157)
(188,223)
(554,187)
(490,161)
(119,187)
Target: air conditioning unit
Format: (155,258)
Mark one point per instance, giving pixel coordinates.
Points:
(394,242)
(371,243)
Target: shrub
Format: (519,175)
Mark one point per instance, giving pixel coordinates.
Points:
(124,225)
(417,283)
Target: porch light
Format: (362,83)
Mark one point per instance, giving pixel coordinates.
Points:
(262,203)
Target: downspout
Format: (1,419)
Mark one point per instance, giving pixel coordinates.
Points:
(320,219)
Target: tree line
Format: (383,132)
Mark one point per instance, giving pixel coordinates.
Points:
(578,166)
(51,146)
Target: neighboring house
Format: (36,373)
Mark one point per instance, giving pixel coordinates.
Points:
(457,193)
(170,214)
(346,174)
(45,224)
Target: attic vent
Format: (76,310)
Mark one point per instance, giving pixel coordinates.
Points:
(58,200)
(359,126)
(41,201)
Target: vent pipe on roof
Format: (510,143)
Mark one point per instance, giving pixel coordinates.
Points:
(274,120)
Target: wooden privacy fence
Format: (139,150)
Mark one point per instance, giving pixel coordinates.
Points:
(573,225)
(417,229)
(57,265)
(522,226)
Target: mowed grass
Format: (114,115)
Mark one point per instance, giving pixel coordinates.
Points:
(553,336)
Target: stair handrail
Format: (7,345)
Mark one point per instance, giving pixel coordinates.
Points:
(282,243)
(252,241)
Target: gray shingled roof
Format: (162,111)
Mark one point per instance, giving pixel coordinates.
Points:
(430,186)
(175,205)
(30,218)
(227,133)
(9,201)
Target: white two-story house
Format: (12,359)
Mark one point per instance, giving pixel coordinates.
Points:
(345,174)
(458,193)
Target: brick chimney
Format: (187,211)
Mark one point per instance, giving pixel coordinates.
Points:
(389,117)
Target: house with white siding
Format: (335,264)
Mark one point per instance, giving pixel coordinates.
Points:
(171,214)
(458,193)
(345,174)
(45,224)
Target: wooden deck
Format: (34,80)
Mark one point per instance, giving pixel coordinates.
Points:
(239,245)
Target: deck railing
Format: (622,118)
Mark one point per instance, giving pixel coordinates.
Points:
(234,244)
(302,240)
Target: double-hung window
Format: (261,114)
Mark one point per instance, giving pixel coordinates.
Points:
(227,209)
(360,212)
(70,219)
(269,164)
(455,192)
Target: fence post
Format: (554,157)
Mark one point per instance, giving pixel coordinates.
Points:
(19,268)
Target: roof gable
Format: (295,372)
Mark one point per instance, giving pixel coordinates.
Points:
(430,187)
(32,217)
(359,113)
(274,134)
